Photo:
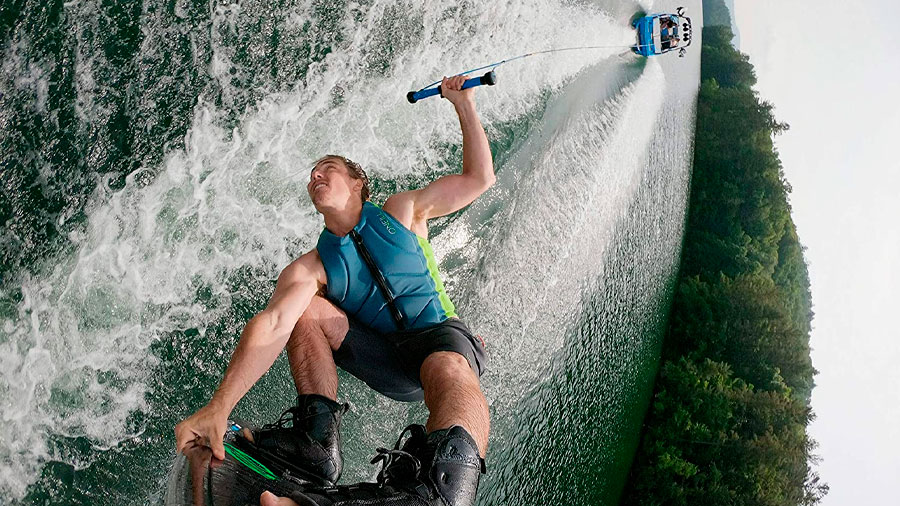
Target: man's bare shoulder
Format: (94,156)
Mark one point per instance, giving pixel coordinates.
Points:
(403,206)
(309,265)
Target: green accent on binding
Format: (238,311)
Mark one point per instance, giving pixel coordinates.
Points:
(251,463)
(446,303)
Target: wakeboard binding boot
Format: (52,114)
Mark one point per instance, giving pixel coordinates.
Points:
(437,469)
(310,449)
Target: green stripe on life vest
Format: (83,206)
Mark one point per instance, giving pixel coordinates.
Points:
(446,303)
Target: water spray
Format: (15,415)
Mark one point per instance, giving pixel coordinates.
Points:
(490,78)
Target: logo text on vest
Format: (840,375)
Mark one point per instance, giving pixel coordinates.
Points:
(387,224)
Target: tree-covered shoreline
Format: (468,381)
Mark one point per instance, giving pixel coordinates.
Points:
(728,418)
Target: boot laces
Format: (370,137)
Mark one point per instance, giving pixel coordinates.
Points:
(398,464)
(392,465)
(289,415)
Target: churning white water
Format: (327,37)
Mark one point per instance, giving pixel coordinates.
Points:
(178,246)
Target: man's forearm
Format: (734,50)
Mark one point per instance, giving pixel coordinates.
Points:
(255,353)
(477,160)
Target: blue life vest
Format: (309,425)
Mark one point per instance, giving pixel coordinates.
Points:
(403,261)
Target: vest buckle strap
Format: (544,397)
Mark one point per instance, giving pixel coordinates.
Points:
(379,279)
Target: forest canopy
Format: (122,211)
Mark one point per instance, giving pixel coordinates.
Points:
(727,421)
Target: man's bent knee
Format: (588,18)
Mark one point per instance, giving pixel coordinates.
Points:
(322,317)
(446,366)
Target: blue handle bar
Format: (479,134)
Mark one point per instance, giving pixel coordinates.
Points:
(489,79)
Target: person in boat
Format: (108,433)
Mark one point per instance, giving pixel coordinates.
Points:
(670,43)
(667,24)
(666,29)
(368,298)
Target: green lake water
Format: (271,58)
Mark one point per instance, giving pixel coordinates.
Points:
(153,159)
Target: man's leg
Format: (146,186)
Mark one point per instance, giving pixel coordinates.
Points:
(312,442)
(453,396)
(319,330)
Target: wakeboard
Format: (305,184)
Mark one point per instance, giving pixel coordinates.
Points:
(198,479)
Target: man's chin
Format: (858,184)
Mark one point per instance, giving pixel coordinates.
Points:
(325,205)
(319,203)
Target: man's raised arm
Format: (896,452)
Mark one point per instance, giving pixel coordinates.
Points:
(455,191)
(263,338)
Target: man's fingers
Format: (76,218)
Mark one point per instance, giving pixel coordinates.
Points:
(218,449)
(453,83)
(182,437)
(204,428)
(212,439)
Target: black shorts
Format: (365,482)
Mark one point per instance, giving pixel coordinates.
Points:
(390,363)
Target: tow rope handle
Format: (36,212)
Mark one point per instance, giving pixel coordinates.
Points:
(489,79)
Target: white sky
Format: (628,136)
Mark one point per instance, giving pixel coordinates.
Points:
(832,69)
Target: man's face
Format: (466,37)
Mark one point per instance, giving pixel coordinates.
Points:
(330,185)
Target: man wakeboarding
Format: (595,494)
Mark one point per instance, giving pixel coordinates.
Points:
(369,299)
